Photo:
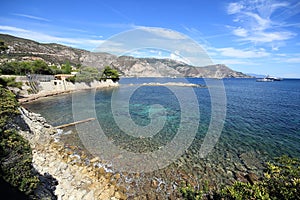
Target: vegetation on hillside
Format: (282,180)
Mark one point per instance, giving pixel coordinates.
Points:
(15,152)
(33,67)
(3,47)
(85,73)
(281,181)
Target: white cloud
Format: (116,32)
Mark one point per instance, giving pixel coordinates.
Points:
(240,32)
(271,36)
(45,38)
(31,17)
(13,29)
(262,21)
(234,8)
(175,56)
(237,53)
(281,54)
(293,60)
(165,33)
(231,61)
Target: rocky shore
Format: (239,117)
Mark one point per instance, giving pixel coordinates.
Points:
(75,176)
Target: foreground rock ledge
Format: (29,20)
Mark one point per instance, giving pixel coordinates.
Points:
(76,179)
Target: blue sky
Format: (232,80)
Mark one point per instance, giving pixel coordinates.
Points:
(254,36)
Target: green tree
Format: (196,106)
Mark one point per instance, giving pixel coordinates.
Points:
(40,67)
(23,68)
(11,68)
(109,73)
(87,74)
(3,47)
(66,68)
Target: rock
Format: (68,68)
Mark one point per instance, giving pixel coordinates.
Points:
(96,159)
(84,171)
(151,195)
(89,195)
(101,170)
(120,195)
(250,160)
(229,173)
(122,189)
(251,177)
(240,177)
(108,175)
(80,194)
(154,184)
(240,167)
(117,176)
(47,125)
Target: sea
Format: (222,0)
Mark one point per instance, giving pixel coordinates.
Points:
(156,135)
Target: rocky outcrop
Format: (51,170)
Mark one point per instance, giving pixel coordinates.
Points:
(76,176)
(22,49)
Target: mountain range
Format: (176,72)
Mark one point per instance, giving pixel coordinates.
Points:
(52,53)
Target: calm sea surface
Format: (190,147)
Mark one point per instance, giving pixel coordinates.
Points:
(262,122)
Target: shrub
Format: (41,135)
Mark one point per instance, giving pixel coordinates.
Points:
(15,152)
(189,193)
(71,79)
(281,181)
(10,82)
(241,191)
(87,75)
(8,107)
(282,178)
(16,162)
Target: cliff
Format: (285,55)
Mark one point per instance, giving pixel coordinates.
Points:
(23,49)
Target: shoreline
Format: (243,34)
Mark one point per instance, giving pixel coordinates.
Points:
(77,175)
(44,93)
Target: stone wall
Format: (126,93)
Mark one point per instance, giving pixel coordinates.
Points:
(62,85)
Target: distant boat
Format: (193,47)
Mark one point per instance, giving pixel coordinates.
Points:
(274,78)
(264,80)
(269,79)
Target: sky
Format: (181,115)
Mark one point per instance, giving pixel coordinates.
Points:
(251,36)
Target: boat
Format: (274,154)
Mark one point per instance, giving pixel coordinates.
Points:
(269,79)
(275,78)
(264,80)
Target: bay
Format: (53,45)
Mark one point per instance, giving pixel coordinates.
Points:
(262,122)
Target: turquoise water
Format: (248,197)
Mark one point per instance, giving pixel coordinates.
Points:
(262,122)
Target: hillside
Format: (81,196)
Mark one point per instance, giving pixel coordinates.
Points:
(22,49)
